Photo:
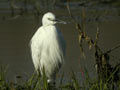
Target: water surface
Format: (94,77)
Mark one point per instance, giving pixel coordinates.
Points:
(15,34)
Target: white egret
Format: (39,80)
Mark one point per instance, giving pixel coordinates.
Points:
(48,47)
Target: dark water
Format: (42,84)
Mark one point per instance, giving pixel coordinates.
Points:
(16,33)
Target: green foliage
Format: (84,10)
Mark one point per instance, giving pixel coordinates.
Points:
(36,82)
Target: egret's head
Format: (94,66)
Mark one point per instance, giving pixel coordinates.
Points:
(50,19)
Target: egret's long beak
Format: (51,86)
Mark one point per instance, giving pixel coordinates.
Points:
(60,21)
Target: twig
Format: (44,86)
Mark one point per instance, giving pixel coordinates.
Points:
(97,34)
(69,11)
(112,49)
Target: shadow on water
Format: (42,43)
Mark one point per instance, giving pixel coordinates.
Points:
(19,21)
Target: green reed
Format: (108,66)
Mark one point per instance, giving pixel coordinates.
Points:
(36,82)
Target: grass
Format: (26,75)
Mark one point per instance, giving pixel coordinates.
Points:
(40,83)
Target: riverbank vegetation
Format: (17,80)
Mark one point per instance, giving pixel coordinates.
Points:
(40,83)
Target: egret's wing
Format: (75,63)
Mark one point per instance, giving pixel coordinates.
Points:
(36,47)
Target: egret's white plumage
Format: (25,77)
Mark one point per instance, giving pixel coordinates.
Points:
(48,47)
